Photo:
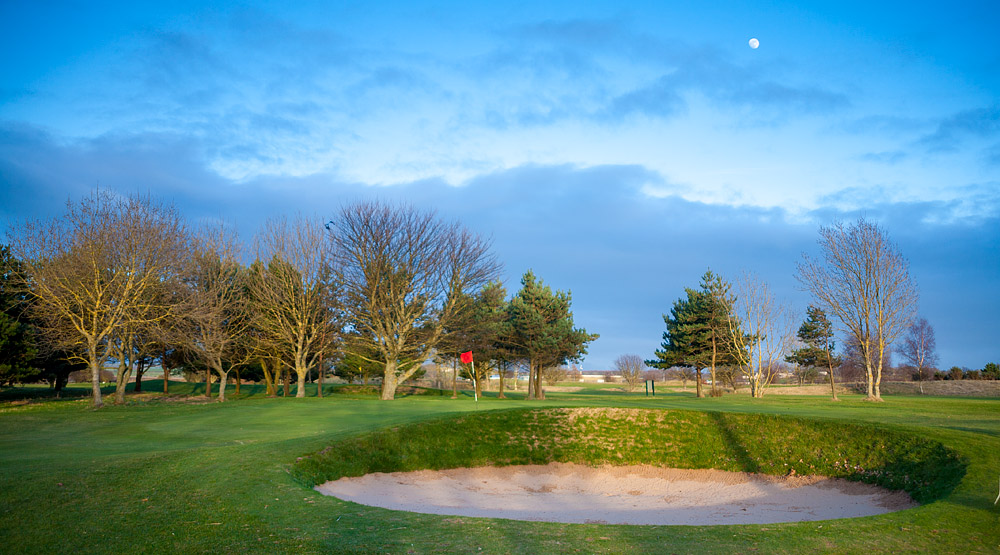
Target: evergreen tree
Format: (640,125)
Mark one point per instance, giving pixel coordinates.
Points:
(17,345)
(685,342)
(541,330)
(697,328)
(716,306)
(353,367)
(478,329)
(816,332)
(991,371)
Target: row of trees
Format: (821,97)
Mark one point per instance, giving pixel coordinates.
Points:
(721,329)
(860,278)
(123,282)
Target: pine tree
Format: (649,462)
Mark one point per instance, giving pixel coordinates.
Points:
(716,305)
(17,338)
(697,328)
(541,330)
(816,332)
(685,341)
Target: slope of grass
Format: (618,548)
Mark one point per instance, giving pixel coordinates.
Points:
(189,477)
(671,438)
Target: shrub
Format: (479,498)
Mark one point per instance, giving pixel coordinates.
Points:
(991,371)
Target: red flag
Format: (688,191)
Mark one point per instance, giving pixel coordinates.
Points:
(467,357)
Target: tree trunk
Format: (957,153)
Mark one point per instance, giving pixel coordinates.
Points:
(272,390)
(389,382)
(288,382)
(95,376)
(869,379)
(878,382)
(454,379)
(878,369)
(124,372)
(531,380)
(833,385)
(319,377)
(503,374)
(697,383)
(208,383)
(222,384)
(238,380)
(536,382)
(60,382)
(537,386)
(714,353)
(166,372)
(300,390)
(139,371)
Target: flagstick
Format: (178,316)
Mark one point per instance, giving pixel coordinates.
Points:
(475,381)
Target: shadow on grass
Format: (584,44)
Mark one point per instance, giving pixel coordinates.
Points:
(971,430)
(734,446)
(44,393)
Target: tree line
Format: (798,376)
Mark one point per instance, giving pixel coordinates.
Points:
(124,282)
(741,333)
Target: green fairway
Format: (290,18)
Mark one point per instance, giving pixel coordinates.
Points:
(193,477)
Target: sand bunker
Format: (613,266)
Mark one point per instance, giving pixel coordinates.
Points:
(561,492)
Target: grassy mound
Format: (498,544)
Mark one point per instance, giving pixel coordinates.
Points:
(760,443)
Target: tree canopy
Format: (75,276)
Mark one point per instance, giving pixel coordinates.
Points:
(816,335)
(404,277)
(698,330)
(863,279)
(17,343)
(542,330)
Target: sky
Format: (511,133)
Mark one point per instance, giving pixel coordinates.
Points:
(617,150)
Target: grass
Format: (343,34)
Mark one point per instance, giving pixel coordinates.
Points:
(925,469)
(159,476)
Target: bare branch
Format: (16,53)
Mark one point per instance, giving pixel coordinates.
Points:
(293,292)
(403,276)
(864,281)
(94,270)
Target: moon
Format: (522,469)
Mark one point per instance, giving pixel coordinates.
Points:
(754,43)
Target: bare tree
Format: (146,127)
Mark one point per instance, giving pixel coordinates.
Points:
(215,306)
(864,280)
(683,373)
(293,293)
(132,346)
(404,276)
(919,349)
(631,369)
(759,333)
(552,375)
(91,272)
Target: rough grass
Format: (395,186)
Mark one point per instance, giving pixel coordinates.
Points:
(168,476)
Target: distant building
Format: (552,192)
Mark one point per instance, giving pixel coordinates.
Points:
(607,376)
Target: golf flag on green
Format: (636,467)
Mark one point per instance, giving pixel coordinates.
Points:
(467,359)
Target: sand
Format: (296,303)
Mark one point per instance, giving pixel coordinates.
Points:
(570,493)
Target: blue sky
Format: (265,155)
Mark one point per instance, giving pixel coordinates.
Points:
(619,151)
